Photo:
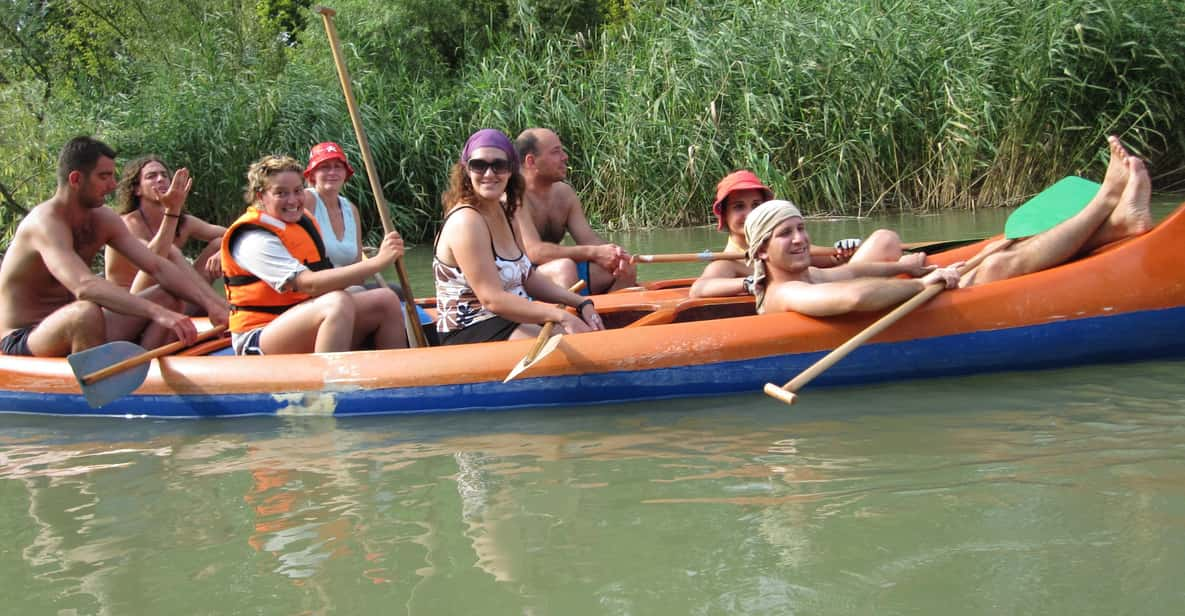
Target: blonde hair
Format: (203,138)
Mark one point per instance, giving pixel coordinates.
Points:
(261,172)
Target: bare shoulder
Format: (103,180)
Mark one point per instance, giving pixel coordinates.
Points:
(726,269)
(135,223)
(563,196)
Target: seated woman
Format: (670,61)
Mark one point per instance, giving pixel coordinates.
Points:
(286,295)
(484,280)
(737,195)
(339,220)
(152,200)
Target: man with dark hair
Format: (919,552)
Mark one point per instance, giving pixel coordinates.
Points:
(52,304)
(556,211)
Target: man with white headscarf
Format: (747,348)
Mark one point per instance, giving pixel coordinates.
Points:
(784,280)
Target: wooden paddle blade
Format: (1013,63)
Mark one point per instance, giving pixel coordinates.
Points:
(527,362)
(120,384)
(1049,207)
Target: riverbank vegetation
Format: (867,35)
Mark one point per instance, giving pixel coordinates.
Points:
(845,107)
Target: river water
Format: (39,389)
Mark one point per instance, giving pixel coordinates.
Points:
(1052,492)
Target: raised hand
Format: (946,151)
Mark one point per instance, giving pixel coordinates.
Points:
(174,199)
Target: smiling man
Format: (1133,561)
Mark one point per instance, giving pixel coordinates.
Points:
(555,210)
(51,304)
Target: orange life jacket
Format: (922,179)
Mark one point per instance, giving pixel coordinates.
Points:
(254,303)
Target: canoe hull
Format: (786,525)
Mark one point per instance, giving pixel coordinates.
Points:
(1126,303)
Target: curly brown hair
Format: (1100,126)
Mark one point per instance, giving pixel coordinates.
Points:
(260,173)
(129,179)
(460,190)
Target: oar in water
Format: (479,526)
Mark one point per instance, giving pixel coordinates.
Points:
(545,343)
(113,370)
(417,338)
(1044,211)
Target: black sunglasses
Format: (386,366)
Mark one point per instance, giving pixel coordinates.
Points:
(480,166)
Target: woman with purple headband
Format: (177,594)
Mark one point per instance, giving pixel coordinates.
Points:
(484,280)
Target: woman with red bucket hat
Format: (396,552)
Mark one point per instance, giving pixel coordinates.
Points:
(341,226)
(736,195)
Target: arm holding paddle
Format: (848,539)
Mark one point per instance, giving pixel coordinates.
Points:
(337,278)
(824,299)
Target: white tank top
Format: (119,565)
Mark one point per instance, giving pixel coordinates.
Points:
(344,251)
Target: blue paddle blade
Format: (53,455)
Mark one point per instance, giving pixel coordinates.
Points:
(1049,207)
(115,386)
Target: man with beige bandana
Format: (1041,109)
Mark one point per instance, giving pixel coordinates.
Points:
(784,279)
(779,249)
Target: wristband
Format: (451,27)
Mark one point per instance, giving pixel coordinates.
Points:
(747,285)
(581,305)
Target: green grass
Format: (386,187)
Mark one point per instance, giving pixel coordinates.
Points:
(843,107)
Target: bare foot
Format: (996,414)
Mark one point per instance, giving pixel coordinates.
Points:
(1117,172)
(1132,216)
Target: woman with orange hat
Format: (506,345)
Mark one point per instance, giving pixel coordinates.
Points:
(737,195)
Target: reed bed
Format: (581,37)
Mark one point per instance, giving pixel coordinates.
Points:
(844,107)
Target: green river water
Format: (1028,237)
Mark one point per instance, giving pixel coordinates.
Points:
(1052,492)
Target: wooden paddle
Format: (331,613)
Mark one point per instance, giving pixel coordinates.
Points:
(708,255)
(106,373)
(417,339)
(545,343)
(1044,211)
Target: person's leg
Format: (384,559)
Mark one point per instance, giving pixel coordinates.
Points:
(74,327)
(526,330)
(379,313)
(881,246)
(323,324)
(139,329)
(1059,244)
(562,272)
(601,281)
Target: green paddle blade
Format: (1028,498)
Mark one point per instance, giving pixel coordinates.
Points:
(1049,207)
(115,386)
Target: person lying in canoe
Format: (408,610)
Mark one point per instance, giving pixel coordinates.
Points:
(156,216)
(785,280)
(741,191)
(484,279)
(553,210)
(286,295)
(51,304)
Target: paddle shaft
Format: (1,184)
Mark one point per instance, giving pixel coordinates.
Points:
(147,356)
(706,256)
(545,332)
(376,185)
(786,392)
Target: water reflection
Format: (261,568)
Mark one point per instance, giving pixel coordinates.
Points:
(884,496)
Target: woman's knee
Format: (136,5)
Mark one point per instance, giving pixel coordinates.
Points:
(336,304)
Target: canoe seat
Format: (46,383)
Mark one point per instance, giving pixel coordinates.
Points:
(700,309)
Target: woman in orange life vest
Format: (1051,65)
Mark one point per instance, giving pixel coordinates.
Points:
(285,295)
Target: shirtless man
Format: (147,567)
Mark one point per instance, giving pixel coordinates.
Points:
(555,210)
(154,215)
(739,193)
(51,304)
(786,281)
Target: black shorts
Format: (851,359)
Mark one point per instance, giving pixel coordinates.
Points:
(489,330)
(17,342)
